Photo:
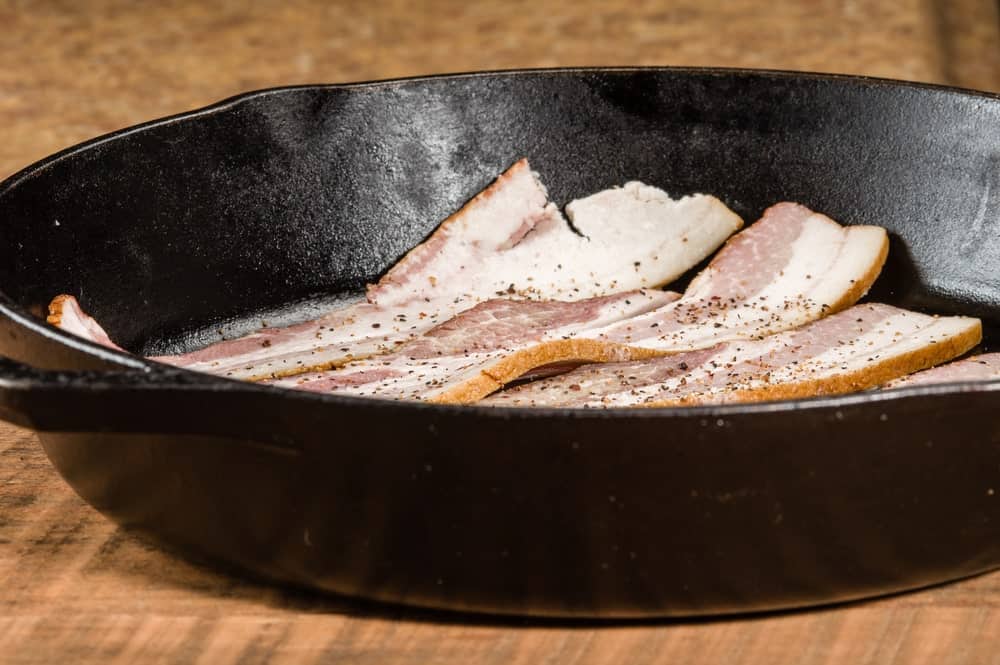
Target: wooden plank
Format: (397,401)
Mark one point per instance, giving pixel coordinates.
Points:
(77,70)
(74,588)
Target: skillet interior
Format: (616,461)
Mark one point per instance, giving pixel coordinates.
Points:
(284,196)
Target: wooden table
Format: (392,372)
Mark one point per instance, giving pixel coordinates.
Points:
(77,589)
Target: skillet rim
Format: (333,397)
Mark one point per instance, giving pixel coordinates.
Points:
(21,317)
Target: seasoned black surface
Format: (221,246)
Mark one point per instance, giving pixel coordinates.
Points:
(285,196)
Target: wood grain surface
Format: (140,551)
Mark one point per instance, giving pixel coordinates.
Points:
(75,588)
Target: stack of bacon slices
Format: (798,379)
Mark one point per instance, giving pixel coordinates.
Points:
(507,290)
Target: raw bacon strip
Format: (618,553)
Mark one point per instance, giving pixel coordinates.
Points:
(856,349)
(355,331)
(516,243)
(791,267)
(65,312)
(977,368)
(508,240)
(465,358)
(765,280)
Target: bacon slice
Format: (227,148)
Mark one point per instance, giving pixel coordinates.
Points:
(470,355)
(983,367)
(791,267)
(854,350)
(508,240)
(65,312)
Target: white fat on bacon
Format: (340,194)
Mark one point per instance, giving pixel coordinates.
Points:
(985,367)
(857,349)
(472,354)
(509,240)
(762,282)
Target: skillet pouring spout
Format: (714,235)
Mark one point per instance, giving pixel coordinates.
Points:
(280,200)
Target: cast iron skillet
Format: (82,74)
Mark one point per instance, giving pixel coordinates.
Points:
(277,196)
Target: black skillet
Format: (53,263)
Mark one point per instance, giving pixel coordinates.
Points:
(165,230)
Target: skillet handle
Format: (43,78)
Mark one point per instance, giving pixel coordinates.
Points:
(161,400)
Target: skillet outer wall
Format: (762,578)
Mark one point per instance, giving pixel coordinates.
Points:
(585,516)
